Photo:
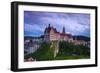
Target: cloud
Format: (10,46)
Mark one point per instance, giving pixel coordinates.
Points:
(75,23)
(70,24)
(33,30)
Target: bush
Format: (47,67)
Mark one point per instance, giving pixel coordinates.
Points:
(66,51)
(43,53)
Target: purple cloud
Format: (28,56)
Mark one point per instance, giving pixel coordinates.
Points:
(75,23)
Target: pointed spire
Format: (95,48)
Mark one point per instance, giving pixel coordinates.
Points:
(49,25)
(63,30)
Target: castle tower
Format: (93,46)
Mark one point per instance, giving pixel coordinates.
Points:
(63,30)
(49,25)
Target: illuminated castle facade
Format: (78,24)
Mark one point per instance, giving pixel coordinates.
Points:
(51,34)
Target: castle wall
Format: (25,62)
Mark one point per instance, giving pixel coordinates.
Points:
(53,35)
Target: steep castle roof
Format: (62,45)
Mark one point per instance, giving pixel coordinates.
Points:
(49,28)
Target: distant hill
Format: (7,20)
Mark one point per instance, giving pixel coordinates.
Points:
(74,37)
(81,38)
(31,37)
(28,37)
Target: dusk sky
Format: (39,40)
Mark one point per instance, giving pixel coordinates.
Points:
(74,23)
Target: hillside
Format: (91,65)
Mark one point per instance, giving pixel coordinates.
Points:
(81,38)
(66,51)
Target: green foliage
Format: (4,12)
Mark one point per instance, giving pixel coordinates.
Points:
(66,51)
(68,57)
(65,48)
(43,53)
(83,50)
(70,51)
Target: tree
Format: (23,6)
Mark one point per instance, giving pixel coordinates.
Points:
(44,52)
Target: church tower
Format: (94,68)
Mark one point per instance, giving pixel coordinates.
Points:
(63,30)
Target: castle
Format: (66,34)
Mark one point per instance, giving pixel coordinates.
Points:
(31,44)
(51,34)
